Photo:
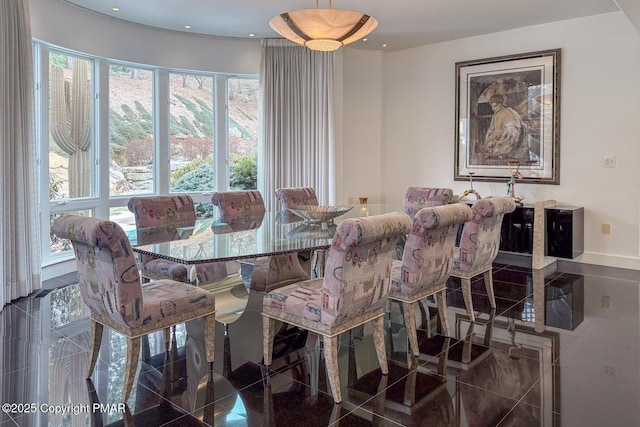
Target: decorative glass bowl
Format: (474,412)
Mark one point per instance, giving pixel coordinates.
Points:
(314,214)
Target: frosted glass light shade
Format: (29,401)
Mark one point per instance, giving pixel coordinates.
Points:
(323,29)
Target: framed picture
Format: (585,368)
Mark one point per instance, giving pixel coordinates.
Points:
(508,118)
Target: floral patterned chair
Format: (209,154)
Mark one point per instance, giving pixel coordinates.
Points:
(426,263)
(160,219)
(267,272)
(353,291)
(111,287)
(479,245)
(290,197)
(296,196)
(239,203)
(417,198)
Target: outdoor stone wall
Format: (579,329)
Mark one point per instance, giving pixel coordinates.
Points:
(122,180)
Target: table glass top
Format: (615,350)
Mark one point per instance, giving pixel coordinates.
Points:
(223,239)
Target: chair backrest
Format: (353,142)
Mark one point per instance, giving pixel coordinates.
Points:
(480,239)
(107,271)
(158,217)
(358,267)
(417,198)
(427,259)
(234,203)
(296,196)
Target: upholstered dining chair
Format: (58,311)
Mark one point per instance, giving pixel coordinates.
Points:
(479,245)
(296,196)
(159,219)
(238,203)
(354,290)
(111,287)
(426,263)
(245,206)
(417,198)
(293,196)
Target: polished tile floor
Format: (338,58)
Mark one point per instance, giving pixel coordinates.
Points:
(561,349)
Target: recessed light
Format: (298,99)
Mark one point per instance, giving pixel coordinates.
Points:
(384,45)
(115,9)
(364,40)
(251,35)
(187,27)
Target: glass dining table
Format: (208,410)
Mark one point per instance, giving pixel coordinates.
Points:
(243,239)
(246,237)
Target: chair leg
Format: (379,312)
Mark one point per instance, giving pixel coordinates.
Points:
(378,340)
(441,300)
(96,339)
(166,334)
(468,302)
(410,387)
(425,317)
(331,363)
(268,335)
(210,336)
(468,344)
(410,323)
(488,284)
(443,359)
(133,354)
(313,360)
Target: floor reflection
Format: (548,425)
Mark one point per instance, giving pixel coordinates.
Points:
(561,348)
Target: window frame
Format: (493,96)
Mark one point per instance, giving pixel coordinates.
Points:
(102,202)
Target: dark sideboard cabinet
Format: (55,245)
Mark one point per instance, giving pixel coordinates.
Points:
(517,231)
(564,237)
(564,234)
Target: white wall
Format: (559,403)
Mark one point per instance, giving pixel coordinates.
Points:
(362,98)
(599,117)
(74,28)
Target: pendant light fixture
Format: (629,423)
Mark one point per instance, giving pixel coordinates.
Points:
(323,29)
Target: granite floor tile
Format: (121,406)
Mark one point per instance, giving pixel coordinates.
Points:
(560,349)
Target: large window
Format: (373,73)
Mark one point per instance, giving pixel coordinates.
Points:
(68,147)
(71,136)
(191,128)
(243,133)
(131,131)
(109,130)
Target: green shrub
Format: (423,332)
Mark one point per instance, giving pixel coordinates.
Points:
(243,172)
(199,179)
(192,166)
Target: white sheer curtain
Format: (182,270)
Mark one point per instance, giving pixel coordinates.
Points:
(20,250)
(297,120)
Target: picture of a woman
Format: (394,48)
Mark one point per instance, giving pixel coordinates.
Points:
(505,139)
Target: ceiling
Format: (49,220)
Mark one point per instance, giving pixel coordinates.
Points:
(402,23)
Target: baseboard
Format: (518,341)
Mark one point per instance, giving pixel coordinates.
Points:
(587,258)
(608,260)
